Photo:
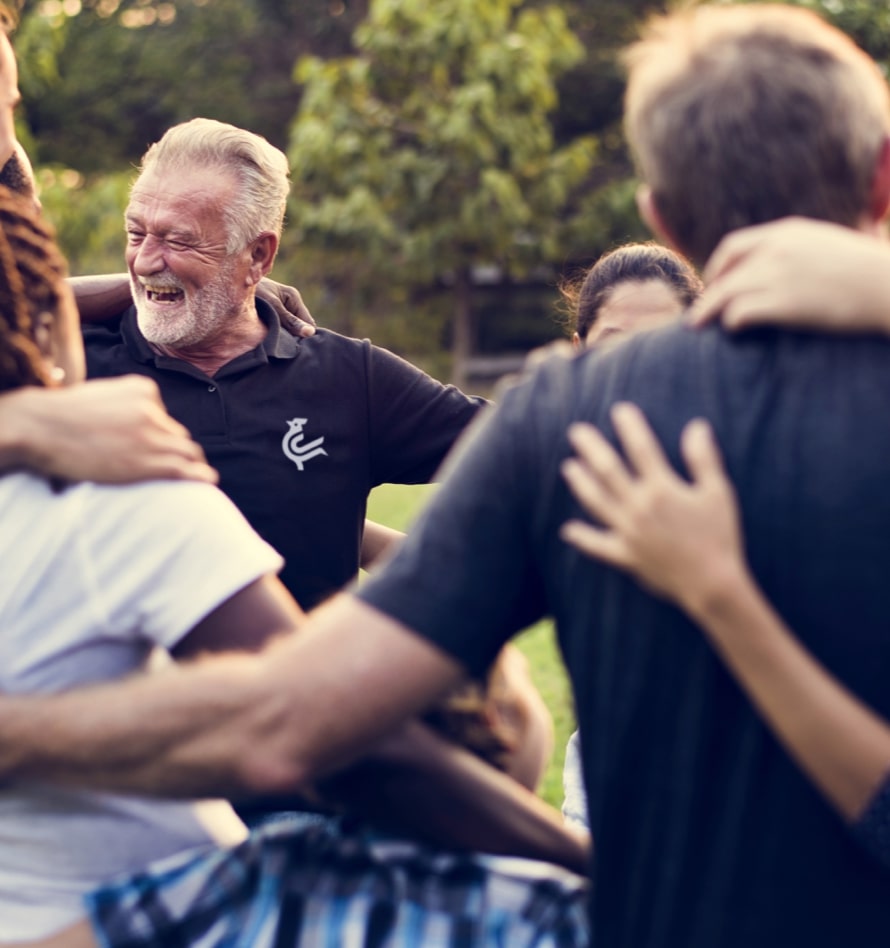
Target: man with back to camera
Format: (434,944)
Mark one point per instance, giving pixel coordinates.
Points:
(706,832)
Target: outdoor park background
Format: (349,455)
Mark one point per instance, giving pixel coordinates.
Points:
(396,505)
(451,159)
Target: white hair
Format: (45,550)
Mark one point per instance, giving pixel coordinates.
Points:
(259,167)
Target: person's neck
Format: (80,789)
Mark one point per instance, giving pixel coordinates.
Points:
(245,332)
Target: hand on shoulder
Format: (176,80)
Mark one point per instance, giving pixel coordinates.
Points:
(798,272)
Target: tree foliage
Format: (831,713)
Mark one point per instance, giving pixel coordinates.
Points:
(431,138)
(431,151)
(101,85)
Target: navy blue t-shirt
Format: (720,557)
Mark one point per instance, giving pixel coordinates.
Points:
(300,431)
(706,835)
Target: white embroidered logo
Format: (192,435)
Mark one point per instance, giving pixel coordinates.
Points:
(293,449)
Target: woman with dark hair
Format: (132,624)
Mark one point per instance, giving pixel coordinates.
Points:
(629,289)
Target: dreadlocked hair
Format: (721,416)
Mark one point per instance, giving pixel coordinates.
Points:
(32,269)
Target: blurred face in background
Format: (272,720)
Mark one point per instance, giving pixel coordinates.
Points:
(634,306)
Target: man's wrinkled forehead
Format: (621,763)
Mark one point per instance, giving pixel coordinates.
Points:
(167,200)
(176,181)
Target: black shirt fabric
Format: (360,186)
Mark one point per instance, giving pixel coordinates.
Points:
(706,834)
(300,431)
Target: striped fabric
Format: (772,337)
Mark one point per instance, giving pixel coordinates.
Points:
(323,884)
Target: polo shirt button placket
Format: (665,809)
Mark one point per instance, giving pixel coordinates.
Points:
(211,388)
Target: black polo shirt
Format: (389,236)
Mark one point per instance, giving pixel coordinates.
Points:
(300,430)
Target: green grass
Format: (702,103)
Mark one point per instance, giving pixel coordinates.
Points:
(396,506)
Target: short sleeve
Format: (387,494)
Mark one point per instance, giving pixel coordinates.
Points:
(414,419)
(161,556)
(465,577)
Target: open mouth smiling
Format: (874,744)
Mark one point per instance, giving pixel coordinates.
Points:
(163,294)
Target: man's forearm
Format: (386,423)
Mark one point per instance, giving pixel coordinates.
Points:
(156,734)
(109,430)
(377,539)
(101,297)
(233,725)
(204,729)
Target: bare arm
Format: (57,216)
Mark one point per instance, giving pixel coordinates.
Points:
(423,785)
(109,430)
(101,297)
(376,540)
(798,272)
(414,781)
(305,707)
(683,541)
(246,622)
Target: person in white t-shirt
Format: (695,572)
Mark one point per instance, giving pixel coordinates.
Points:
(96,579)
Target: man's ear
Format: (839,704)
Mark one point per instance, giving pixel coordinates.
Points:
(879,198)
(262,256)
(652,218)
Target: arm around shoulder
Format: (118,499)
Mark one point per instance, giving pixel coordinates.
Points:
(108,430)
(24,439)
(799,273)
(101,297)
(235,724)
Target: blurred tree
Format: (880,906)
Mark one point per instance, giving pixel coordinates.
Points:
(102,79)
(438,93)
(89,220)
(431,152)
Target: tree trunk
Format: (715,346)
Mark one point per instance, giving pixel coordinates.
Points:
(463,331)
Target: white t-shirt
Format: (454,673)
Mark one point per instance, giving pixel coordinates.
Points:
(92,579)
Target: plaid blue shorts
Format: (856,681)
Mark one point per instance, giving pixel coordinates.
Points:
(323,884)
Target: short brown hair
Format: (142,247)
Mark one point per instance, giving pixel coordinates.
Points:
(259,168)
(739,115)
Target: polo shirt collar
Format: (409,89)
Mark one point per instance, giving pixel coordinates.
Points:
(277,343)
